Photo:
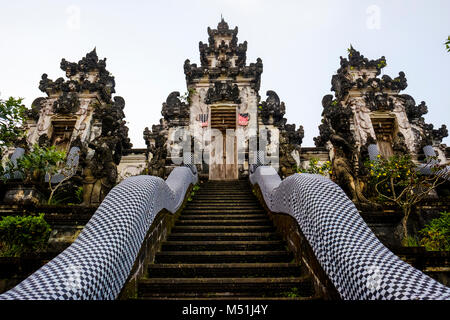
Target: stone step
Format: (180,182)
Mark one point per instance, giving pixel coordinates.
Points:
(224,190)
(235,236)
(228,205)
(222,211)
(222,229)
(222,208)
(222,256)
(271,245)
(216,198)
(225,186)
(276,287)
(218,296)
(222,217)
(224,270)
(236,222)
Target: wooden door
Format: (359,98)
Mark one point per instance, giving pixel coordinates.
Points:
(223,155)
(384,130)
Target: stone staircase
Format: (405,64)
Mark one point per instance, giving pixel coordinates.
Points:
(224,246)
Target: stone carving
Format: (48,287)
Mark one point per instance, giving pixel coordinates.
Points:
(272,112)
(173,108)
(224,76)
(223,92)
(92,118)
(67,103)
(362,100)
(156,141)
(220,57)
(273,109)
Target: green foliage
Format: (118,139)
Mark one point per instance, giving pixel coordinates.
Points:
(436,234)
(398,170)
(382,64)
(447,44)
(313,168)
(23,234)
(411,242)
(79,194)
(398,180)
(186,97)
(38,162)
(349,50)
(12,116)
(293,293)
(194,188)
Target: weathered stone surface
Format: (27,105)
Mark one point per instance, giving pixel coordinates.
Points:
(81,112)
(369,110)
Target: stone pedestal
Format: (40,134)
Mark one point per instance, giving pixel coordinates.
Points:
(22,194)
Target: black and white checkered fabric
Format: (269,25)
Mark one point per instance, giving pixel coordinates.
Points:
(431,162)
(260,160)
(358,264)
(98,263)
(188,161)
(373,151)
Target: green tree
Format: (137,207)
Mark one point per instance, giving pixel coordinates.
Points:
(398,180)
(23,234)
(12,116)
(447,44)
(314,168)
(436,234)
(41,163)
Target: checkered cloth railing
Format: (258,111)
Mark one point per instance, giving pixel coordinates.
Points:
(358,264)
(98,263)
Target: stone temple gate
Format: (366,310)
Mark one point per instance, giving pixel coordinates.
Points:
(223,114)
(272,234)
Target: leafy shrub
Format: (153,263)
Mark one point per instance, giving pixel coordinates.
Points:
(23,234)
(399,181)
(79,194)
(44,162)
(313,168)
(41,161)
(195,188)
(411,242)
(436,234)
(12,116)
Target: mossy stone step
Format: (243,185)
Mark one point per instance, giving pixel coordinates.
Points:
(238,222)
(222,211)
(203,204)
(222,256)
(224,270)
(222,229)
(223,236)
(223,245)
(276,287)
(222,217)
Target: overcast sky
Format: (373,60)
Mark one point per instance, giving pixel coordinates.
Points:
(146,44)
